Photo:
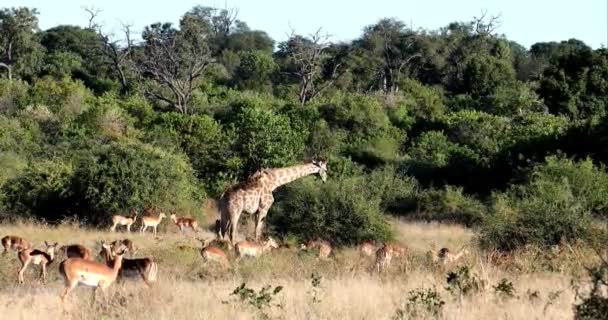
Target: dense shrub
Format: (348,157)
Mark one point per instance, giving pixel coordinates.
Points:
(449,204)
(342,211)
(13,94)
(121,176)
(41,190)
(554,205)
(267,139)
(208,146)
(66,96)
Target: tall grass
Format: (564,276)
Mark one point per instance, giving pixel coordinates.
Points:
(190,289)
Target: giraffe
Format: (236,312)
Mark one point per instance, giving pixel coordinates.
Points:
(254,195)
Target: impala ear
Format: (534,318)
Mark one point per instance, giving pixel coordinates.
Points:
(46,243)
(55,244)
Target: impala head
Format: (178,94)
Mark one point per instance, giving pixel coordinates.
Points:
(173,216)
(50,249)
(162,215)
(271,243)
(322,167)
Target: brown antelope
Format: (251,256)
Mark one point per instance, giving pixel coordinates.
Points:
(387,252)
(184,222)
(90,273)
(149,221)
(146,268)
(367,248)
(253,249)
(445,256)
(38,257)
(215,254)
(384,255)
(128,244)
(118,220)
(323,246)
(77,251)
(14,243)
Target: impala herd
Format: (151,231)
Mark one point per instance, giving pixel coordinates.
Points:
(80,266)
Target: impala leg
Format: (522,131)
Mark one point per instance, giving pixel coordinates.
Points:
(67,290)
(22,270)
(43,272)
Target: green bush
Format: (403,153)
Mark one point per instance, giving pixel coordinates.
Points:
(66,98)
(267,139)
(341,210)
(13,94)
(208,145)
(555,204)
(121,176)
(449,204)
(41,190)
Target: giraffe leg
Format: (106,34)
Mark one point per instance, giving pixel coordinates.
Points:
(265,204)
(234,222)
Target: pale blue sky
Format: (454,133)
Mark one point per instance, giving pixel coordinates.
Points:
(525,21)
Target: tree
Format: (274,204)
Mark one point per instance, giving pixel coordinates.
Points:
(19,49)
(305,59)
(175,61)
(254,69)
(393,48)
(117,52)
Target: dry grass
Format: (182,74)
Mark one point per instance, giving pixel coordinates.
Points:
(190,289)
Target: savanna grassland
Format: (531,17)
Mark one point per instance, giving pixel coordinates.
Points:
(454,137)
(349,288)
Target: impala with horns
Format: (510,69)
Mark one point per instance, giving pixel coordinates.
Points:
(37,257)
(118,220)
(76,251)
(184,222)
(90,273)
(213,253)
(151,221)
(14,243)
(254,249)
(144,268)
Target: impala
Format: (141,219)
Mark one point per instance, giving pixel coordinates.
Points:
(118,220)
(14,243)
(215,254)
(323,246)
(128,245)
(253,249)
(387,252)
(149,221)
(367,248)
(77,251)
(146,268)
(184,222)
(38,257)
(384,255)
(445,256)
(90,273)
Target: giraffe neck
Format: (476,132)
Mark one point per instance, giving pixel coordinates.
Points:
(281,176)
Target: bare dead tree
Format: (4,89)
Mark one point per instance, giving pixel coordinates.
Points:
(485,25)
(174,63)
(307,56)
(118,55)
(93,13)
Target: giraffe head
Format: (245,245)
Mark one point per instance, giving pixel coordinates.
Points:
(322,166)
